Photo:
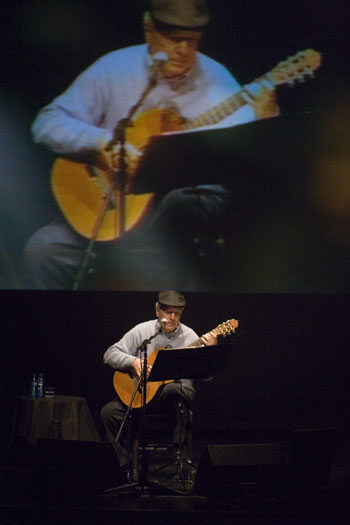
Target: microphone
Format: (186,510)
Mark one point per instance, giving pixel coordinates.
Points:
(158,61)
(164,322)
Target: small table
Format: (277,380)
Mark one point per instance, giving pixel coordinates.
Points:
(59,417)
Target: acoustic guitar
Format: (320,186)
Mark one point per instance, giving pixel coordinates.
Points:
(125,383)
(81,189)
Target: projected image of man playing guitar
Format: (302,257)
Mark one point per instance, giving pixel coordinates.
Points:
(101,124)
(80,123)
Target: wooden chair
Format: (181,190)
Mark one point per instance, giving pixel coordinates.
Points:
(157,442)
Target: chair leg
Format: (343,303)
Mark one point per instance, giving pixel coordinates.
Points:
(179,462)
(135,460)
(189,435)
(182,459)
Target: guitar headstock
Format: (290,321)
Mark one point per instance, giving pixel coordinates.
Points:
(295,68)
(227,328)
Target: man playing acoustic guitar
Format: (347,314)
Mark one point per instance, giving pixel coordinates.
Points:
(125,356)
(173,84)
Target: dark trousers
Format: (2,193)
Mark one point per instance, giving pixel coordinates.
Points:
(183,225)
(173,399)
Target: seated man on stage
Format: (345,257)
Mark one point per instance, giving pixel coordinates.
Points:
(125,356)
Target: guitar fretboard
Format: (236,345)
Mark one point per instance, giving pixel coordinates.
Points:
(196,344)
(294,68)
(217,113)
(222,330)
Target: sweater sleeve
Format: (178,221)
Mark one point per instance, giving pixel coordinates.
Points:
(121,355)
(72,122)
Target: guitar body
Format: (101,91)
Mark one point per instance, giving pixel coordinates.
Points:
(152,122)
(125,384)
(80,195)
(80,189)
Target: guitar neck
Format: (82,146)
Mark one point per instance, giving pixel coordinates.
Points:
(219,330)
(294,68)
(196,343)
(217,113)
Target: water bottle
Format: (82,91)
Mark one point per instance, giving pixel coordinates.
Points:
(40,385)
(33,386)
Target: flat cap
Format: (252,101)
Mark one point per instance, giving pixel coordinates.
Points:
(171,298)
(190,14)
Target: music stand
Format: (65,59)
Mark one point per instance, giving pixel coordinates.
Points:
(190,363)
(277,146)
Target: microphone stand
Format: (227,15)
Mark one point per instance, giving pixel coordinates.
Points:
(141,383)
(144,471)
(119,175)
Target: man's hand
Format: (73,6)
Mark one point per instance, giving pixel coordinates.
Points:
(262,99)
(138,367)
(265,105)
(106,156)
(109,158)
(210,339)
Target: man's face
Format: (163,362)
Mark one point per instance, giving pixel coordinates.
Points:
(172,314)
(179,45)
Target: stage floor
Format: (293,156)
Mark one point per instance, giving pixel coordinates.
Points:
(74,498)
